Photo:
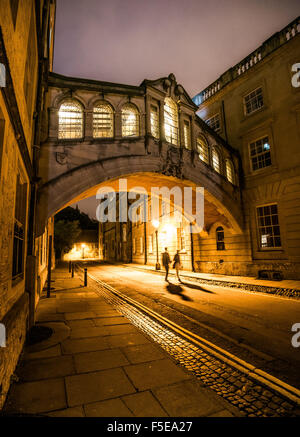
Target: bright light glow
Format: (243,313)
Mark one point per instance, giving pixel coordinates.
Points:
(155,223)
(83,245)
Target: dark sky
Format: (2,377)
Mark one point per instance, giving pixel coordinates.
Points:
(127,41)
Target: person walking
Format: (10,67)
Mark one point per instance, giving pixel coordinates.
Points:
(177,264)
(166,261)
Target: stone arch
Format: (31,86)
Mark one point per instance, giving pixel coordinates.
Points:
(82,181)
(96,100)
(61,97)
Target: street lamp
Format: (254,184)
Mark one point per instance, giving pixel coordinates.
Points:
(155,223)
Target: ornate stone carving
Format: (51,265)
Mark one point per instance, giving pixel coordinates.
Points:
(173,164)
(61,158)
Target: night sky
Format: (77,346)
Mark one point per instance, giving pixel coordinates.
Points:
(127,41)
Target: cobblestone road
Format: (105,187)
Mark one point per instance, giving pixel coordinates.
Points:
(251,398)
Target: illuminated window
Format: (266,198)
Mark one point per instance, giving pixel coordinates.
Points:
(216,161)
(268,226)
(70,120)
(260,153)
(229,171)
(253,101)
(202,148)
(220,238)
(103,125)
(171,121)
(130,121)
(214,122)
(154,121)
(133,245)
(181,239)
(187,134)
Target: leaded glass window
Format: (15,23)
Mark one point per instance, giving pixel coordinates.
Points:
(216,162)
(187,134)
(130,121)
(154,121)
(229,171)
(214,122)
(202,148)
(103,125)
(70,120)
(171,121)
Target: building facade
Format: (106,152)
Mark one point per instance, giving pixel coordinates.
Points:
(255,106)
(26,50)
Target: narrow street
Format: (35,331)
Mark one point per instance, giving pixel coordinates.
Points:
(255,327)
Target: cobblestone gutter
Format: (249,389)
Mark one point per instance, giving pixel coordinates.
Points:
(253,399)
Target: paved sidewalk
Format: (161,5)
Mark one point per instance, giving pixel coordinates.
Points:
(286,287)
(96,363)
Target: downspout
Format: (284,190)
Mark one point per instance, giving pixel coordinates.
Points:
(192,248)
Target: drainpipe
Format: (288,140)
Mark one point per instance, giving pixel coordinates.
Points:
(192,247)
(224,120)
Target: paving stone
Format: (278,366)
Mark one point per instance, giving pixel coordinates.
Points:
(97,386)
(155,373)
(49,317)
(80,315)
(68,412)
(144,404)
(109,408)
(222,413)
(74,346)
(53,351)
(72,307)
(36,397)
(108,313)
(187,399)
(111,321)
(142,353)
(124,340)
(99,360)
(84,323)
(121,329)
(46,368)
(95,331)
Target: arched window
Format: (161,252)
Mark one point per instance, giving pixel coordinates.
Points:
(220,238)
(229,171)
(171,121)
(70,120)
(202,149)
(130,121)
(103,121)
(216,161)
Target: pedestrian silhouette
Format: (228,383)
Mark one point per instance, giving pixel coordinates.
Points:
(177,264)
(166,261)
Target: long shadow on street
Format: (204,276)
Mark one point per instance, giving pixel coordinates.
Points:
(177,289)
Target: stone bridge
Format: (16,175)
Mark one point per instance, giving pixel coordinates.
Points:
(96,132)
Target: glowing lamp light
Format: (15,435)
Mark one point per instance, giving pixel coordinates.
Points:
(155,223)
